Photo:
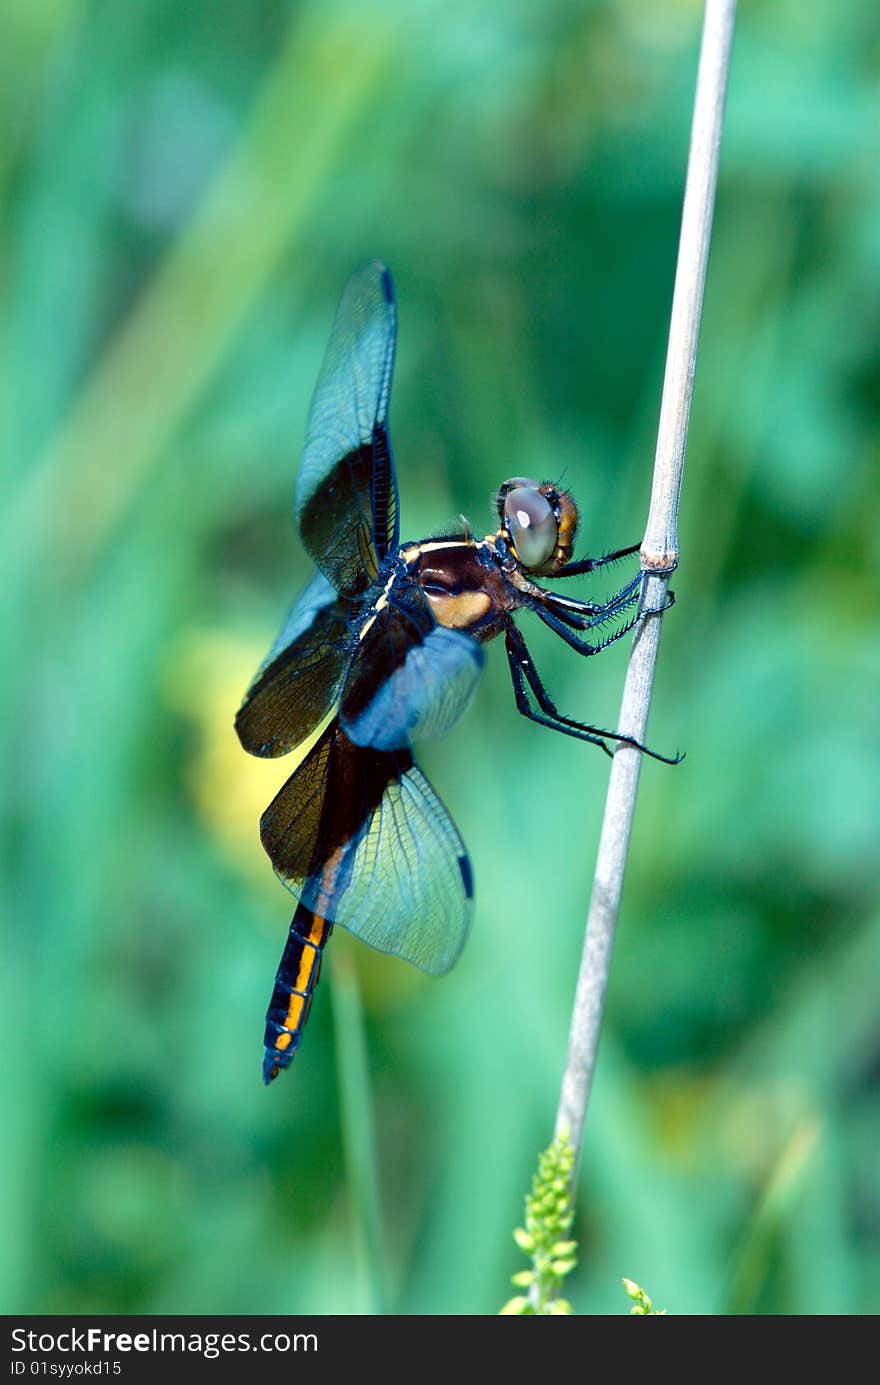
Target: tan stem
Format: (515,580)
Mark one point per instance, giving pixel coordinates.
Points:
(659,557)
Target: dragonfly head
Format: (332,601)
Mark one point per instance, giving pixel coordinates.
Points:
(538,523)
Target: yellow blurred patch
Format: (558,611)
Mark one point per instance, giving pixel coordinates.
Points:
(388,984)
(205,679)
(761,1120)
(677,1102)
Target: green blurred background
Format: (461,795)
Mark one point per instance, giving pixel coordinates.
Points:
(186,189)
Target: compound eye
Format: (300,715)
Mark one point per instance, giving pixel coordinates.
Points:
(532,525)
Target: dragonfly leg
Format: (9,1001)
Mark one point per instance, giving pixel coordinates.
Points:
(560,622)
(585,615)
(590,564)
(571,637)
(523,671)
(658,610)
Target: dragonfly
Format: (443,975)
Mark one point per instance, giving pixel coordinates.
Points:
(388,637)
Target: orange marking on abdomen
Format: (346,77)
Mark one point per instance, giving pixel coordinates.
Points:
(293,1016)
(304,970)
(316,932)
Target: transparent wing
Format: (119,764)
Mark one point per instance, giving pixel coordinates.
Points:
(346,495)
(300,678)
(410,679)
(361,838)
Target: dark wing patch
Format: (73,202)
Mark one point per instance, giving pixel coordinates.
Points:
(410,679)
(346,495)
(361,838)
(300,679)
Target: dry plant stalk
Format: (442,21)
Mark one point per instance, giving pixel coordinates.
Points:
(659,555)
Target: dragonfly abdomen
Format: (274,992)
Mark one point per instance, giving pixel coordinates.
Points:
(295,981)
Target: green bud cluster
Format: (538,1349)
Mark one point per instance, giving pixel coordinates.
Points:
(545,1236)
(641,1303)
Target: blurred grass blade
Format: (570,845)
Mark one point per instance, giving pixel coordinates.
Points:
(167,348)
(774,1211)
(358,1125)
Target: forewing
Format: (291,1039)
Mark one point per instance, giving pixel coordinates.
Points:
(359,835)
(410,678)
(300,679)
(346,495)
